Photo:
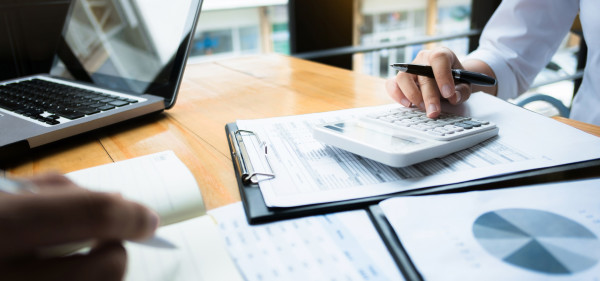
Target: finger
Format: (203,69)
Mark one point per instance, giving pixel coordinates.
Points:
(409,87)
(431,96)
(462,93)
(395,92)
(106,262)
(32,222)
(441,61)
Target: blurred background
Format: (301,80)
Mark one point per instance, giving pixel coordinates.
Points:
(375,34)
(365,36)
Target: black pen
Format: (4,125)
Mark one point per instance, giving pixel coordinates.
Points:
(460,75)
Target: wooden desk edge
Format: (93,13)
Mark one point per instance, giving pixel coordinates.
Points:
(588,128)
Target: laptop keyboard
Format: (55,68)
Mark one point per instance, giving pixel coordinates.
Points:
(46,101)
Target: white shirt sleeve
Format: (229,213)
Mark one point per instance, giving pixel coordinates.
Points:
(521,38)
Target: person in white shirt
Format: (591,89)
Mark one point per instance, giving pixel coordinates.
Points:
(517,42)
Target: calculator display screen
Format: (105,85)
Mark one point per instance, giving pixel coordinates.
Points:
(375,136)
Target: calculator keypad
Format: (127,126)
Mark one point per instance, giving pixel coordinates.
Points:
(413,120)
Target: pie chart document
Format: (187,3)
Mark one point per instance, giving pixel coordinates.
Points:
(538,232)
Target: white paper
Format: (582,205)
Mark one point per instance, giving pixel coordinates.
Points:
(160,181)
(542,232)
(339,246)
(200,255)
(308,172)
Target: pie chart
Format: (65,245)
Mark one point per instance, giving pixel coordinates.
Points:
(537,240)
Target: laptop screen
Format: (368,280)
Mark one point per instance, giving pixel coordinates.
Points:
(132,46)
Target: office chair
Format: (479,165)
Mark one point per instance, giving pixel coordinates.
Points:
(563,110)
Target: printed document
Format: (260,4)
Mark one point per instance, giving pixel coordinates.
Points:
(540,232)
(309,172)
(338,246)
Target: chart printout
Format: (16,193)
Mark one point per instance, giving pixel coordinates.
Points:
(540,232)
(309,172)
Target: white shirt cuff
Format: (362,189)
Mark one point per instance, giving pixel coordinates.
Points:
(507,82)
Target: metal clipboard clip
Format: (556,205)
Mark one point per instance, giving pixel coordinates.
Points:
(247,171)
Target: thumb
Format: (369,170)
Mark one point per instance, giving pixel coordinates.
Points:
(462,92)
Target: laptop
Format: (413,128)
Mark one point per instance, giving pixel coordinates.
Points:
(114,61)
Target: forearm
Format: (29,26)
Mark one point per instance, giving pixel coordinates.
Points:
(517,42)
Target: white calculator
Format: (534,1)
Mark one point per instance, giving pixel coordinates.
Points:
(404,136)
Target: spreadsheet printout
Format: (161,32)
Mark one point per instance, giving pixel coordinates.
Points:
(338,246)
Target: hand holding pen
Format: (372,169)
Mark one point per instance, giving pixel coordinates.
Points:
(438,74)
(50,210)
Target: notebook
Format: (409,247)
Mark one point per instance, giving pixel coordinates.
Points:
(113,62)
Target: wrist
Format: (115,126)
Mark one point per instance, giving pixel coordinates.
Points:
(480,66)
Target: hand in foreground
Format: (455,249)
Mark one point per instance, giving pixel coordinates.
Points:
(58,213)
(424,92)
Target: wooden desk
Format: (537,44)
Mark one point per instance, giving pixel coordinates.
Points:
(212,95)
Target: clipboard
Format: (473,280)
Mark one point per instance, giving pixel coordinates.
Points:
(258,212)
(393,244)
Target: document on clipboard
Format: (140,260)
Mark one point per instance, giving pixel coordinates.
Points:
(308,176)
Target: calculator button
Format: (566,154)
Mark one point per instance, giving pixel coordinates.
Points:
(472,123)
(402,123)
(480,121)
(434,133)
(421,127)
(464,125)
